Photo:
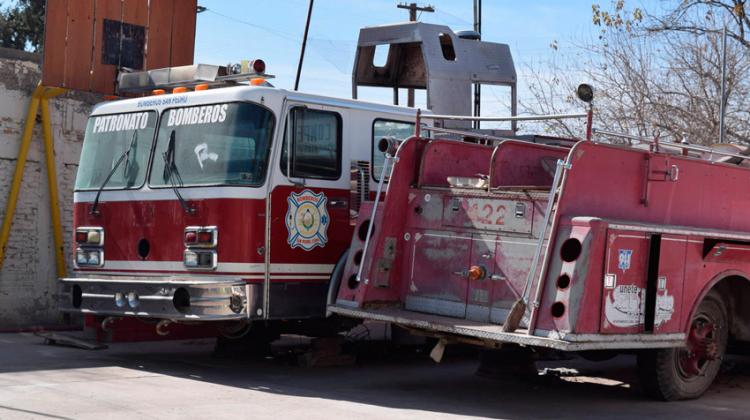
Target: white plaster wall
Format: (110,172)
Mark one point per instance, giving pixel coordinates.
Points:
(28,283)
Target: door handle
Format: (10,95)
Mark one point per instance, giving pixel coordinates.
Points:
(338,203)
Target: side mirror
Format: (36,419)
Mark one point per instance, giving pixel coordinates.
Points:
(585,93)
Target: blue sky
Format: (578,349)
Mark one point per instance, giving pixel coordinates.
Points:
(272,30)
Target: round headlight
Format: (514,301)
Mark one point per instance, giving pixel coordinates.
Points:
(133,300)
(120,300)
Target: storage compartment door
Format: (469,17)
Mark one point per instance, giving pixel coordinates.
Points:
(624,291)
(438,284)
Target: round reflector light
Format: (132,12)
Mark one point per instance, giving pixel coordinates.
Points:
(259,66)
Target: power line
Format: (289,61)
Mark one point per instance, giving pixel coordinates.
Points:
(292,38)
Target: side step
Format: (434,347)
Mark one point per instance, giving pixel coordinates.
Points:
(52,338)
(493,333)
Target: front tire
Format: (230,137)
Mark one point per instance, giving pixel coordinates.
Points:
(686,373)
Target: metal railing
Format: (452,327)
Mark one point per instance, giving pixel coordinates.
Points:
(507,118)
(681,146)
(475,134)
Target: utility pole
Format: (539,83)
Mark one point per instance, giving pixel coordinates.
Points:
(304,44)
(477,86)
(413,8)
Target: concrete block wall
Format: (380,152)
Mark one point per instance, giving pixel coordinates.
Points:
(28,283)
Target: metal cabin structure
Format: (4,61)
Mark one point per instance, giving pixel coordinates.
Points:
(432,57)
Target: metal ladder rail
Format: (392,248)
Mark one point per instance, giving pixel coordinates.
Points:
(519,308)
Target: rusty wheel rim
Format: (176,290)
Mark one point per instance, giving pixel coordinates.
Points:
(701,350)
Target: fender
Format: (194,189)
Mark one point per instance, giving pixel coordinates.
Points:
(335,282)
(707,288)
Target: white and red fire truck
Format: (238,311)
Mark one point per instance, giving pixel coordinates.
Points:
(188,209)
(588,246)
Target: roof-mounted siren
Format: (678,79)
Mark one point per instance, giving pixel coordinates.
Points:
(434,58)
(247,71)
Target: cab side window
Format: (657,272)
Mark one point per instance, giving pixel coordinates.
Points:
(315,143)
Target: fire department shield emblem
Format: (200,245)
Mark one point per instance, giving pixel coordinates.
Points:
(307,220)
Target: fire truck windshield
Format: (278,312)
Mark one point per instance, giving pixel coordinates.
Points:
(110,137)
(221,144)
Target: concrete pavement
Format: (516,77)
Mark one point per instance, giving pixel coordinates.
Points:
(181,380)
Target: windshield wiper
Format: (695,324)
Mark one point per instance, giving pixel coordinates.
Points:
(126,157)
(170,173)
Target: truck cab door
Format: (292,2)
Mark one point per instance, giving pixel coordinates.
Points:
(309,226)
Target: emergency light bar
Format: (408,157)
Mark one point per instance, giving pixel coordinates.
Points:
(188,76)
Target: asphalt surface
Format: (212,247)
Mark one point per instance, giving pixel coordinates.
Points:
(182,380)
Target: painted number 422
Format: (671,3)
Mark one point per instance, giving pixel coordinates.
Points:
(489,214)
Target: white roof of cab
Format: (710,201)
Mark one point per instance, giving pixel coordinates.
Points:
(236,94)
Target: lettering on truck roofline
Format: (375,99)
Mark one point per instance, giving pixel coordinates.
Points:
(197,115)
(122,122)
(165,100)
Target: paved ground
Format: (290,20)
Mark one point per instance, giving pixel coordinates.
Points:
(181,380)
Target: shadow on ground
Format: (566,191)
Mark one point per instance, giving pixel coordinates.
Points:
(383,376)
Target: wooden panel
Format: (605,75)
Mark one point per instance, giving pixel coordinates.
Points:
(87,40)
(53,68)
(183,32)
(104,76)
(79,43)
(159,44)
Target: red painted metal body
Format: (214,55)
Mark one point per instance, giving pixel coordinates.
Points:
(274,241)
(635,241)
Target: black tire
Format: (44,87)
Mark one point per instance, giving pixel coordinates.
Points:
(253,339)
(598,355)
(686,373)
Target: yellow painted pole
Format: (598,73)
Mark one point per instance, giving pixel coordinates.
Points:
(23,151)
(54,205)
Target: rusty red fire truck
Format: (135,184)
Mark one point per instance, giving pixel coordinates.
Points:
(585,246)
(189,207)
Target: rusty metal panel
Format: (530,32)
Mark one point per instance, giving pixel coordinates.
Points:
(53,67)
(103,74)
(135,12)
(183,32)
(159,44)
(438,284)
(87,41)
(488,214)
(78,44)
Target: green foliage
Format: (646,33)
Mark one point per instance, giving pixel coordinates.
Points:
(22,25)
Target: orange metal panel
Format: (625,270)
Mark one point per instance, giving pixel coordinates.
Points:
(183,32)
(53,68)
(159,43)
(103,76)
(79,43)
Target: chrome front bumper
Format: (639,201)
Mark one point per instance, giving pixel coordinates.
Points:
(175,298)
